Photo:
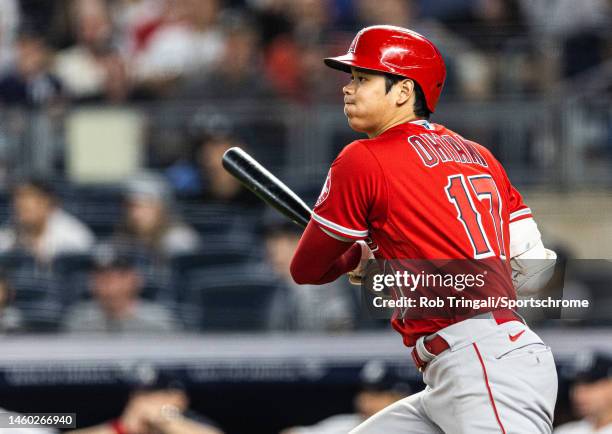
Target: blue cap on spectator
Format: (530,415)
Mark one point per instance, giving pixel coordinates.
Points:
(108,257)
(149,186)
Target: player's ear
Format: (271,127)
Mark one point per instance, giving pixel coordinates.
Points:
(406,90)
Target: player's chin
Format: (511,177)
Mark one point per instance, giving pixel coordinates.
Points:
(356,124)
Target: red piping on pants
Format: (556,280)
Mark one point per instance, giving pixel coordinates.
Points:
(486,378)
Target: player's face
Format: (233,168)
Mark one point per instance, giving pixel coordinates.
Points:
(367,105)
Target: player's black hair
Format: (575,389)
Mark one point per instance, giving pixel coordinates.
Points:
(391,80)
(420,108)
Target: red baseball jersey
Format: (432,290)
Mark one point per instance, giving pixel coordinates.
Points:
(421,191)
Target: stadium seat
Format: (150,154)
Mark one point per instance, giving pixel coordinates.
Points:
(68,263)
(17,262)
(219,219)
(41,317)
(101,208)
(38,299)
(5,207)
(235,252)
(229,298)
(72,274)
(34,288)
(212,255)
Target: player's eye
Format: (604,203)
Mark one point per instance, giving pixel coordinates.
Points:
(360,79)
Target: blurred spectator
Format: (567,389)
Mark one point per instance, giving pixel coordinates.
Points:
(56,21)
(469,72)
(238,74)
(592,398)
(574,39)
(380,387)
(272,18)
(187,40)
(9,23)
(164,411)
(116,306)
(37,14)
(489,24)
(30,83)
(498,29)
(327,307)
(136,21)
(150,224)
(296,69)
(10,318)
(208,181)
(561,17)
(311,18)
(92,70)
(218,184)
(39,225)
(391,12)
(294,61)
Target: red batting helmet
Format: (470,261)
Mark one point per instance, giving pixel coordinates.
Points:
(397,51)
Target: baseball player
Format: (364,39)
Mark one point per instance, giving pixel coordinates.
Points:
(417,190)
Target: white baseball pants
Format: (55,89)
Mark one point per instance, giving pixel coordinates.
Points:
(493,379)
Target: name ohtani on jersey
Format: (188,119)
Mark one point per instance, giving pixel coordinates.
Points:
(434,149)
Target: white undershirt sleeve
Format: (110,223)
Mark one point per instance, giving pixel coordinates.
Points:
(532,264)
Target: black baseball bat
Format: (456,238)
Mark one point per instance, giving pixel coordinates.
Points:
(264,184)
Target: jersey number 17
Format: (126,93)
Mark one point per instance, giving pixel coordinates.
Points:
(463,195)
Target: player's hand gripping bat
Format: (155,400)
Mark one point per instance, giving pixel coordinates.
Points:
(275,193)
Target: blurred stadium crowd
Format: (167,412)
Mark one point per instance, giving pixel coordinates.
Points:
(175,243)
(142,268)
(114,51)
(174,58)
(116,215)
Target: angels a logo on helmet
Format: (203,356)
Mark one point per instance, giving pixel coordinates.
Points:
(353,46)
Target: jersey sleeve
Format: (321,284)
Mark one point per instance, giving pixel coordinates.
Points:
(516,207)
(354,184)
(524,233)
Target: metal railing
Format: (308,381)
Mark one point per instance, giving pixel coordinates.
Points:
(560,142)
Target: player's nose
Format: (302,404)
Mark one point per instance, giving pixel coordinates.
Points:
(348,88)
